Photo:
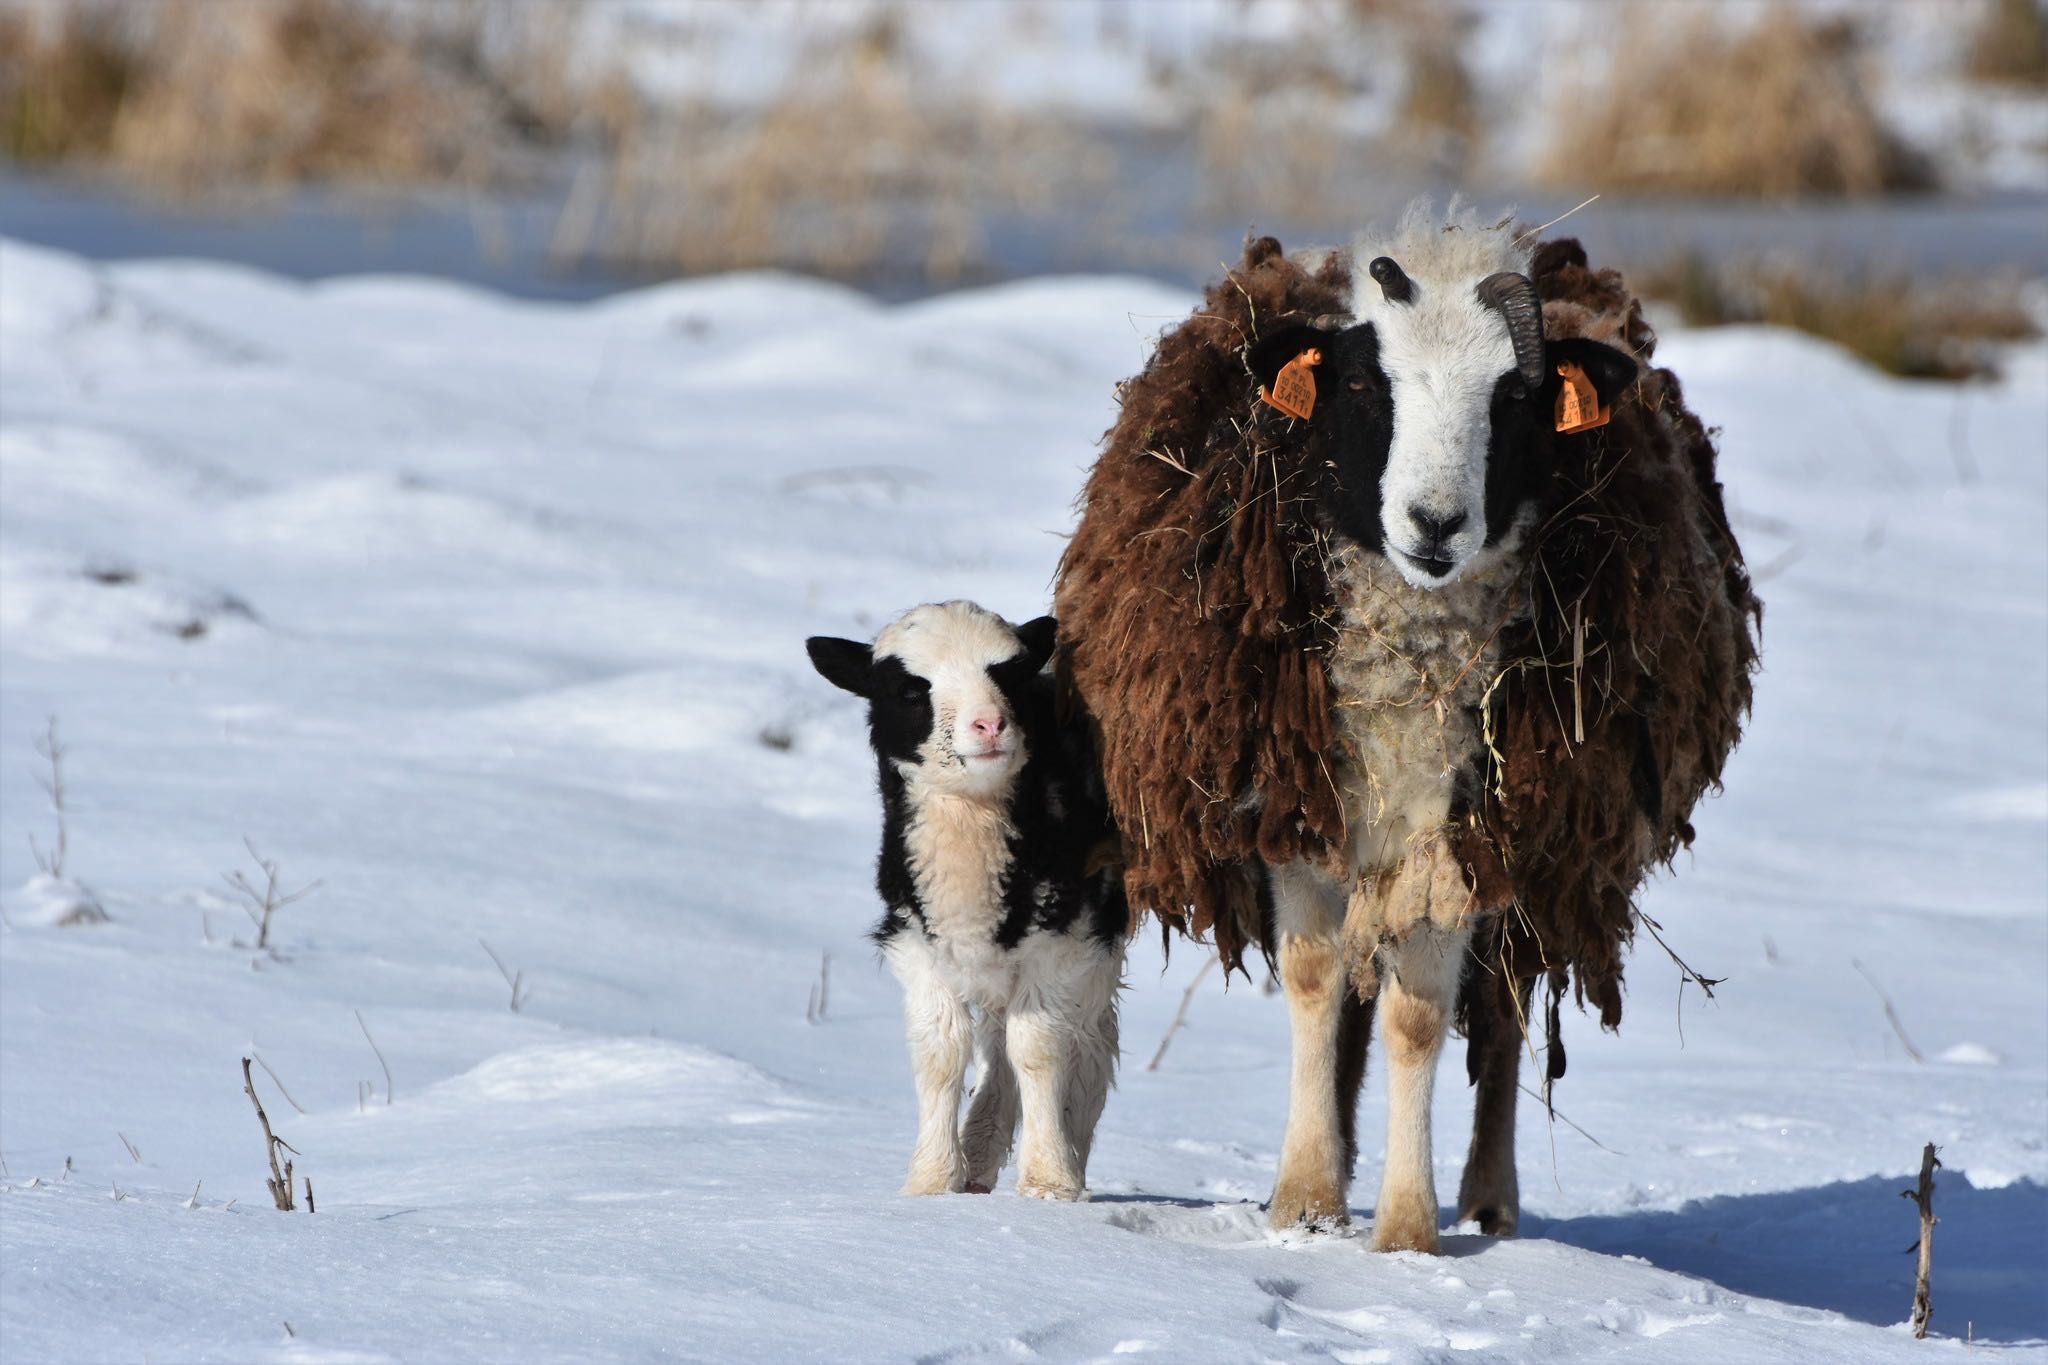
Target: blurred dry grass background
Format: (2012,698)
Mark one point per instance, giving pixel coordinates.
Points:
(851,163)
(2009,43)
(201,99)
(1774,111)
(1919,329)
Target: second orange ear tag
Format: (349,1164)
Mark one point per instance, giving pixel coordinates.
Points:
(1294,388)
(1578,402)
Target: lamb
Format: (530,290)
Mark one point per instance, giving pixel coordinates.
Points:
(1411,672)
(1004,916)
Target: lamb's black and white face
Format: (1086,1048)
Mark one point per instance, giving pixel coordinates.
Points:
(1440,438)
(945,686)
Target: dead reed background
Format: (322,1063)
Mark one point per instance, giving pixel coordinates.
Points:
(870,158)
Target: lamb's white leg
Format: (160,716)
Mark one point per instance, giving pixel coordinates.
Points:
(939,1030)
(1042,1043)
(1314,1180)
(992,1117)
(1095,1042)
(1489,1194)
(1418,991)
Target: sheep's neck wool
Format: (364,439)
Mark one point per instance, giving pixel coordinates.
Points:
(1413,667)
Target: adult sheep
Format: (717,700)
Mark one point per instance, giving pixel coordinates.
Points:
(1412,691)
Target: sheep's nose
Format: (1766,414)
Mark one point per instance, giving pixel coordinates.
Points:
(989,727)
(1436,530)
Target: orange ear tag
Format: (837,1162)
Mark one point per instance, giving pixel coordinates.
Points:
(1294,388)
(1578,402)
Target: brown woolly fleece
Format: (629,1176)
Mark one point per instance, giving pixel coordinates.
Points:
(1193,605)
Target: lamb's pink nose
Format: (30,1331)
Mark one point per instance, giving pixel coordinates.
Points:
(989,727)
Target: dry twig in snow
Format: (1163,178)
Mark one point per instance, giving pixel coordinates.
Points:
(280,1181)
(52,751)
(821,994)
(268,901)
(1180,1016)
(380,1054)
(1889,1013)
(1923,1195)
(513,979)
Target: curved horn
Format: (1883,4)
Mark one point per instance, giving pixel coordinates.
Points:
(1394,282)
(1514,296)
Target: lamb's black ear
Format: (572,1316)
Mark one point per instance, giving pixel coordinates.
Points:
(1610,370)
(1038,639)
(843,663)
(1270,353)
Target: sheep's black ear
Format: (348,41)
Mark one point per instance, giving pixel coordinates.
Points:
(1610,370)
(843,663)
(1271,352)
(1038,639)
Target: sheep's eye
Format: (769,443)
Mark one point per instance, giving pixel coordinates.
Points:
(910,691)
(1356,383)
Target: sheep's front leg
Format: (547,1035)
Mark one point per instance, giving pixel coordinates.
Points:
(992,1117)
(1489,1194)
(1315,1173)
(1418,991)
(939,1030)
(1042,1046)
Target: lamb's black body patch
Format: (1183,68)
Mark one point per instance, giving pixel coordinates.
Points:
(1062,820)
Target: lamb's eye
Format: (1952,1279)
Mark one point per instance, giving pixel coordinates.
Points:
(910,691)
(1356,383)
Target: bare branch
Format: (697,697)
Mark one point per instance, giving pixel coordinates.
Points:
(380,1054)
(52,750)
(513,979)
(1705,983)
(1180,1016)
(271,899)
(278,1083)
(1923,1196)
(1889,1013)
(280,1181)
(821,993)
(1558,1113)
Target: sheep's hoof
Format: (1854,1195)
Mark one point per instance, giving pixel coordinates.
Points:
(1493,1220)
(1393,1232)
(1305,1205)
(1041,1187)
(932,1182)
(976,1187)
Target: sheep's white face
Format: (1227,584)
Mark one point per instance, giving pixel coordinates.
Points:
(1444,354)
(948,669)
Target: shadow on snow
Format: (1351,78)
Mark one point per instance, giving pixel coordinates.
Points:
(1847,1247)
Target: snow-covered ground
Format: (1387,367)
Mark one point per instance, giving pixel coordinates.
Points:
(489,617)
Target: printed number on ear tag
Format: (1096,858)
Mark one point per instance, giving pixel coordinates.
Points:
(1294,388)
(1578,402)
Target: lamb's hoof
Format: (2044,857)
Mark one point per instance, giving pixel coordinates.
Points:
(976,1187)
(1394,1232)
(1041,1187)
